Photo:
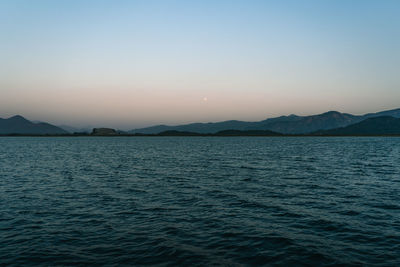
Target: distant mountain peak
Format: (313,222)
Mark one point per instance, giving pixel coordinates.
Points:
(19,125)
(17,118)
(332,112)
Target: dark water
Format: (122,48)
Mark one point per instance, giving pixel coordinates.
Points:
(200,201)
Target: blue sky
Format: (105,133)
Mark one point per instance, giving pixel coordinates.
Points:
(129,64)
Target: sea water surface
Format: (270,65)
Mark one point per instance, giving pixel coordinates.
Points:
(199,201)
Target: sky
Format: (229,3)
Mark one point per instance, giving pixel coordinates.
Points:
(129,64)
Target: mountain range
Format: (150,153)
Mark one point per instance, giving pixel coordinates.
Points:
(291,124)
(384,125)
(20,125)
(328,123)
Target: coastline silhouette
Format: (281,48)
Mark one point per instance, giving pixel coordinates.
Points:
(331,123)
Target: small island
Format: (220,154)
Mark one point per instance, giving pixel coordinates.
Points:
(104,132)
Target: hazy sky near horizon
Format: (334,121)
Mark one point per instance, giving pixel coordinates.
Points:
(129,64)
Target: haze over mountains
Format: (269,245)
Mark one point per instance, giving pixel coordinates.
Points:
(292,124)
(328,123)
(72,129)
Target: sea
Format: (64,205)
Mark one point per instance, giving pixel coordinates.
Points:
(200,201)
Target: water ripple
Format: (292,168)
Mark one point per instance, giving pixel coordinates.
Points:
(200,201)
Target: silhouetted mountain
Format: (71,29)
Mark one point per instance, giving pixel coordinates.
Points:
(222,133)
(247,133)
(292,124)
(197,127)
(392,113)
(20,125)
(178,133)
(307,124)
(384,125)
